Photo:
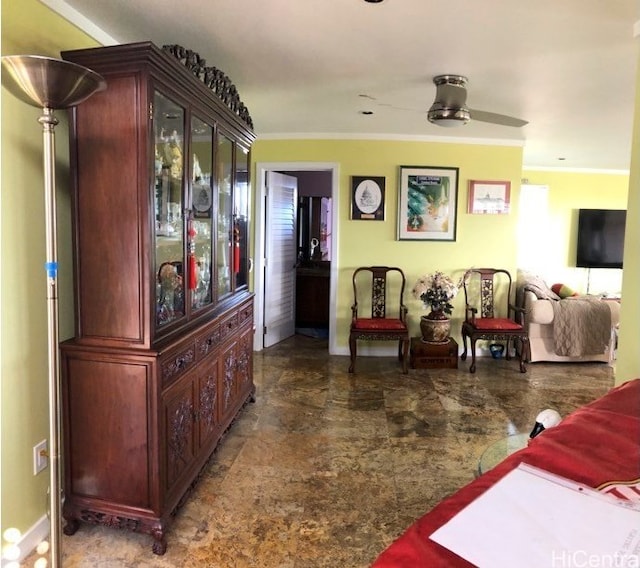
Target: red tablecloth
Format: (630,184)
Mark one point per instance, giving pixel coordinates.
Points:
(595,445)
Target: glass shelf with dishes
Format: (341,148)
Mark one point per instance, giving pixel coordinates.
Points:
(225,210)
(201,223)
(241,218)
(201,213)
(169,205)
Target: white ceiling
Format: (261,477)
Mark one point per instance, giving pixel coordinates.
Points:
(300,66)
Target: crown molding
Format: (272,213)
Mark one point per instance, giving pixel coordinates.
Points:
(390,138)
(575,170)
(82,22)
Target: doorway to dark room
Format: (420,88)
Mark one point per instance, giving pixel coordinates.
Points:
(313,259)
(305,288)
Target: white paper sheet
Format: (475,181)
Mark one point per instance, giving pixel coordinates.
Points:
(534,519)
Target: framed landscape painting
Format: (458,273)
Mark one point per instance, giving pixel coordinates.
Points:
(427,203)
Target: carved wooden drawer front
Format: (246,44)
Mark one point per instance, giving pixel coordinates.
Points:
(207,342)
(177,363)
(228,326)
(245,313)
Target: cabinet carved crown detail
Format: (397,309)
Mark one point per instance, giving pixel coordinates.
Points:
(213,78)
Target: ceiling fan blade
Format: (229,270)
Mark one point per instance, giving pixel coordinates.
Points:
(493,118)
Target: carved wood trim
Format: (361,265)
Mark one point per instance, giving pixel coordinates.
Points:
(208,342)
(214,79)
(180,432)
(243,366)
(488,336)
(208,399)
(379,336)
(228,379)
(156,529)
(178,364)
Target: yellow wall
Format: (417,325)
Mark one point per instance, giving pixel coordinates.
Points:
(569,192)
(481,239)
(29,27)
(628,365)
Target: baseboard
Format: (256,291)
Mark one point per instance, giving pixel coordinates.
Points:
(390,349)
(31,539)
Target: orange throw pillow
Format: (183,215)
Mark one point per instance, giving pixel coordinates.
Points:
(564,291)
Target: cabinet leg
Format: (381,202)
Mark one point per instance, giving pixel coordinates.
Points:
(71,526)
(159,542)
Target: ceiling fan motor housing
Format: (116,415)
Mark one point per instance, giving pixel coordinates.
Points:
(455,80)
(443,116)
(449,108)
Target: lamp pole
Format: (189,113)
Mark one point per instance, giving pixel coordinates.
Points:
(51,84)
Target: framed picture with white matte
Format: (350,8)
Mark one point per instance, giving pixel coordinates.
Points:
(427,203)
(367,198)
(489,197)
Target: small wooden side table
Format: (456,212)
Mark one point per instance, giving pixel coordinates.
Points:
(433,355)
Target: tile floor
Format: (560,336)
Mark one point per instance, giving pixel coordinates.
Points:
(326,469)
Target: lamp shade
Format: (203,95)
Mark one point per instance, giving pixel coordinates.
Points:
(45,82)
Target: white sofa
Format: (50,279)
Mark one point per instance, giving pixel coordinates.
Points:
(539,316)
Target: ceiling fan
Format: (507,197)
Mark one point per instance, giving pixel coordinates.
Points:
(449,108)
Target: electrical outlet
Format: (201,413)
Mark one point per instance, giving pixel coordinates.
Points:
(40,457)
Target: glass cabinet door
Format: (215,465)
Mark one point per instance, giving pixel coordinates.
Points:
(241,218)
(225,208)
(201,223)
(168,123)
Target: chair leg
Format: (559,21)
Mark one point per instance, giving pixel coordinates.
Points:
(526,347)
(472,368)
(352,351)
(523,354)
(507,355)
(463,357)
(405,356)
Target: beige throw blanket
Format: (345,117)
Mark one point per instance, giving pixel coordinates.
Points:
(581,326)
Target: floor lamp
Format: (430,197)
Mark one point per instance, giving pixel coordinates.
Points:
(51,84)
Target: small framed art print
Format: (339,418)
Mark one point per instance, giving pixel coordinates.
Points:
(489,197)
(367,198)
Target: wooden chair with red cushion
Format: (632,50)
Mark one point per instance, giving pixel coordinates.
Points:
(484,289)
(384,289)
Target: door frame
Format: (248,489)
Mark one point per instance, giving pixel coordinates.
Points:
(260,237)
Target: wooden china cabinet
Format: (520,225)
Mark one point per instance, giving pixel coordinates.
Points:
(161,361)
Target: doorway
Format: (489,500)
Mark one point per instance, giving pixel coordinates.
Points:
(317,261)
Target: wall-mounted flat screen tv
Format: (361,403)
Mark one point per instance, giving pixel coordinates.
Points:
(600,238)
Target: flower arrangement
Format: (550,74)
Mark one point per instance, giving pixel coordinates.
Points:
(436,291)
